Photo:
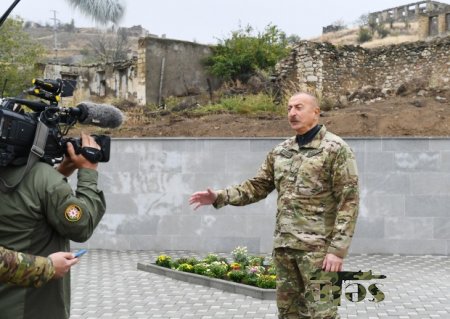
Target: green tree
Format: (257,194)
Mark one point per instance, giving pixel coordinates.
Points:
(293,39)
(244,54)
(19,55)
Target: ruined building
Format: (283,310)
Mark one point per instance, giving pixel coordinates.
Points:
(433,17)
(163,68)
(435,23)
(407,12)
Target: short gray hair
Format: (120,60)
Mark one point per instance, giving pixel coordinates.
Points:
(314,99)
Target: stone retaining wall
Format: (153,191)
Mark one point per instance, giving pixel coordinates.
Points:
(333,72)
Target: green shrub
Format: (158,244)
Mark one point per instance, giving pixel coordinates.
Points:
(271,270)
(174,264)
(187,260)
(186,267)
(210,258)
(364,35)
(223,259)
(201,268)
(164,261)
(250,279)
(236,275)
(182,260)
(192,261)
(250,270)
(243,54)
(382,32)
(266,281)
(218,269)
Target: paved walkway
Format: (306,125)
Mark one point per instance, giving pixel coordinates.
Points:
(107,284)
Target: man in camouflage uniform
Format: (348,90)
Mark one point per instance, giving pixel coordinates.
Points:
(29,270)
(316,179)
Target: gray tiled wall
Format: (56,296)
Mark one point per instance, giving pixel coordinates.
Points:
(405,196)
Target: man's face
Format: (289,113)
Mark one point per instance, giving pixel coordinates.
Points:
(303,113)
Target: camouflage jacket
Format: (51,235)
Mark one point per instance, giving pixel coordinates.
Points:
(23,269)
(318,195)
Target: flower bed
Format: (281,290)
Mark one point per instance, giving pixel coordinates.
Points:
(249,275)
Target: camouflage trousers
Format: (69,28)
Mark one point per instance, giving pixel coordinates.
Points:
(297,297)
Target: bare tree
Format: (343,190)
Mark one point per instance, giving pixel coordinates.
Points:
(106,47)
(110,46)
(340,24)
(363,20)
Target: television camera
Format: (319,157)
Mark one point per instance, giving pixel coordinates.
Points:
(18,126)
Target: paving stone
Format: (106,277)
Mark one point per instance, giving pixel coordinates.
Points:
(106,284)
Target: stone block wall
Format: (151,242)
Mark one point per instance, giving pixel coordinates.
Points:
(331,71)
(404,184)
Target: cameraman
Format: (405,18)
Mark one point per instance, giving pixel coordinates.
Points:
(40,217)
(28,270)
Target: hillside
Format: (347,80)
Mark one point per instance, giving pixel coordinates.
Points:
(77,45)
(411,115)
(399,33)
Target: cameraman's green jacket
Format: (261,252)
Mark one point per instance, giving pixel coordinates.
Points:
(40,217)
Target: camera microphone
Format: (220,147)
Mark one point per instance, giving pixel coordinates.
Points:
(106,116)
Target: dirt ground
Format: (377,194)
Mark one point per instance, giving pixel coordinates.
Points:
(397,116)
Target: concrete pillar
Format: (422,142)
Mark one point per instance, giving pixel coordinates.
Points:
(378,17)
(404,12)
(442,25)
(423,27)
(142,72)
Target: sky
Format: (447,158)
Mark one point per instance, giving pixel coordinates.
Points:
(207,21)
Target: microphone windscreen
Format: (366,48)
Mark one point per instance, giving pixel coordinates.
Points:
(101,115)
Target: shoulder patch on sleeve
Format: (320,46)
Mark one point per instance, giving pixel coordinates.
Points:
(73,213)
(352,169)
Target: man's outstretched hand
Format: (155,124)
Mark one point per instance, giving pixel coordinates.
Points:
(207,197)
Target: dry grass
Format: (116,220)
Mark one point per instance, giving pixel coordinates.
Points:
(332,36)
(399,33)
(390,41)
